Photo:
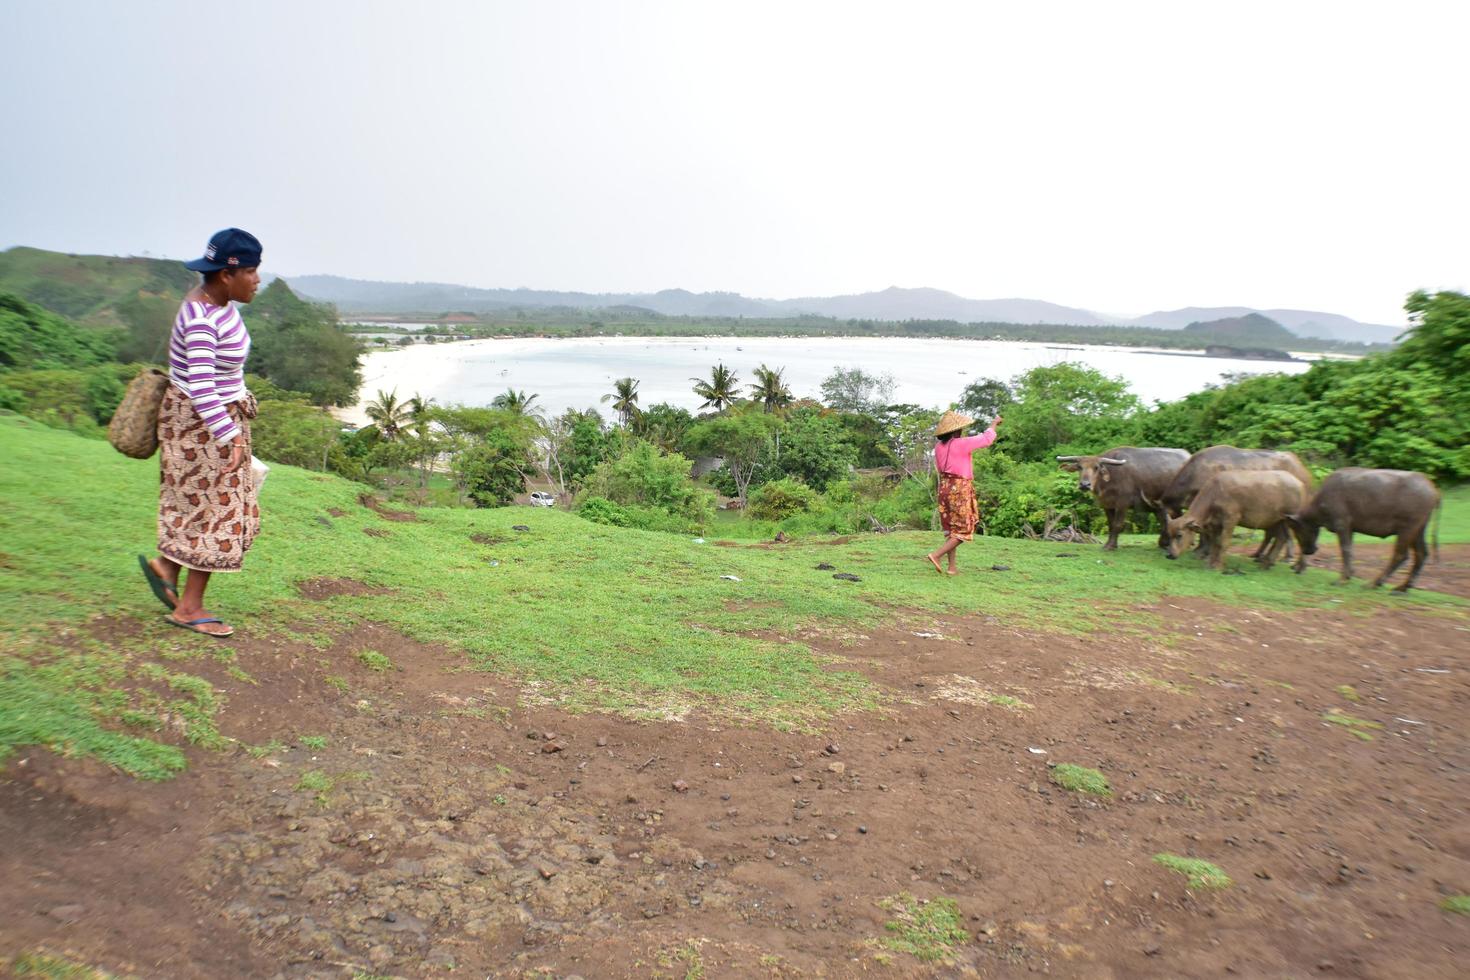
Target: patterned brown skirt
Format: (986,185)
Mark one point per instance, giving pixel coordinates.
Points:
(958,512)
(207,518)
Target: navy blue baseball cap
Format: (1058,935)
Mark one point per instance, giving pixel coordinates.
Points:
(228,249)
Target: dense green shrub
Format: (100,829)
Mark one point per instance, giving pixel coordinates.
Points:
(644,477)
(779,499)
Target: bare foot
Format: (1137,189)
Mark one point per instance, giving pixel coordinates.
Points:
(953,571)
(935,562)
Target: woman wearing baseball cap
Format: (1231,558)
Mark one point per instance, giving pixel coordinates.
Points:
(207,512)
(958,513)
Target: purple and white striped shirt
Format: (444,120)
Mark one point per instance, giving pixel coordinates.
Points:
(206,361)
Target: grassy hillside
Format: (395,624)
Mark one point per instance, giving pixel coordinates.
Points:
(600,618)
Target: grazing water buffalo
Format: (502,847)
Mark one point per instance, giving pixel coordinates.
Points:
(1195,473)
(1126,477)
(1238,498)
(1376,502)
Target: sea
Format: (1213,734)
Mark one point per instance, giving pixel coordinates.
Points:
(576,373)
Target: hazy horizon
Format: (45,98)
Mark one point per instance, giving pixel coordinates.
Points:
(1120,160)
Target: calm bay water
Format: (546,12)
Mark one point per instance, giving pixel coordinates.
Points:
(576,373)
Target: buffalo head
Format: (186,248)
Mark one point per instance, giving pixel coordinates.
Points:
(1182,531)
(1092,470)
(1305,532)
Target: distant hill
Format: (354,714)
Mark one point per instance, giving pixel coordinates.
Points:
(137,292)
(1250,330)
(1301,323)
(894,304)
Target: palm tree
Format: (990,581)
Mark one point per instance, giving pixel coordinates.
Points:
(514,401)
(719,391)
(388,414)
(624,397)
(770,388)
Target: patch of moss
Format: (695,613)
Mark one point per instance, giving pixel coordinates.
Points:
(1458,904)
(1349,692)
(1080,779)
(1201,874)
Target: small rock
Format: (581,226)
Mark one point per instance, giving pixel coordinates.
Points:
(770,855)
(67,913)
(519,527)
(546,873)
(862,828)
(533,735)
(1326,965)
(1152,949)
(847,577)
(1000,568)
(796,777)
(831,836)
(550,747)
(824,567)
(832,749)
(990,928)
(601,741)
(837,767)
(680,786)
(1107,883)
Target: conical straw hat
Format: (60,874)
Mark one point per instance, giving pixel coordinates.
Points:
(952,422)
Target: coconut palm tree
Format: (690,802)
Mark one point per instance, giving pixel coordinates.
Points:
(514,401)
(624,398)
(720,390)
(388,414)
(770,388)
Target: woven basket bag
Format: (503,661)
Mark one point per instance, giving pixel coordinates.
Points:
(133,430)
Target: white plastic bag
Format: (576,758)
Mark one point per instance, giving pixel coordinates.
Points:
(258,470)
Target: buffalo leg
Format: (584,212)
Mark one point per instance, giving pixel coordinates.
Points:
(1400,552)
(1275,537)
(1220,546)
(1163,513)
(1345,543)
(1115,527)
(1421,552)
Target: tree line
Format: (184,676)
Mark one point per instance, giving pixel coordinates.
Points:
(845,461)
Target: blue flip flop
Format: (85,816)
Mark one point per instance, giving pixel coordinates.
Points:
(192,625)
(167,594)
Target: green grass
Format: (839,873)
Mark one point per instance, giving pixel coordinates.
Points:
(1355,726)
(1201,874)
(1458,904)
(374,661)
(1080,779)
(313,742)
(53,967)
(599,618)
(928,930)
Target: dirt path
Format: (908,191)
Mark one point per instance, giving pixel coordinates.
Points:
(466,825)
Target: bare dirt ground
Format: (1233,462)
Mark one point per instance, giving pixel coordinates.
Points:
(467,825)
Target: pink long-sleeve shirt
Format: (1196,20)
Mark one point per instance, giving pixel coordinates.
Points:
(953,457)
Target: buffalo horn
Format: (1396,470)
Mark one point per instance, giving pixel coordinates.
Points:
(1112,462)
(1068,459)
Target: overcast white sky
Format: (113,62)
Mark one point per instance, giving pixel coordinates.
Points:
(1121,157)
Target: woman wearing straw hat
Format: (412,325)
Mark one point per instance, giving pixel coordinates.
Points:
(958,513)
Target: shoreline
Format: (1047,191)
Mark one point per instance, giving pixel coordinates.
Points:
(574,372)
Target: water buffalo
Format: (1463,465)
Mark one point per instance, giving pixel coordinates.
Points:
(1244,498)
(1204,464)
(1376,502)
(1126,477)
(1195,473)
